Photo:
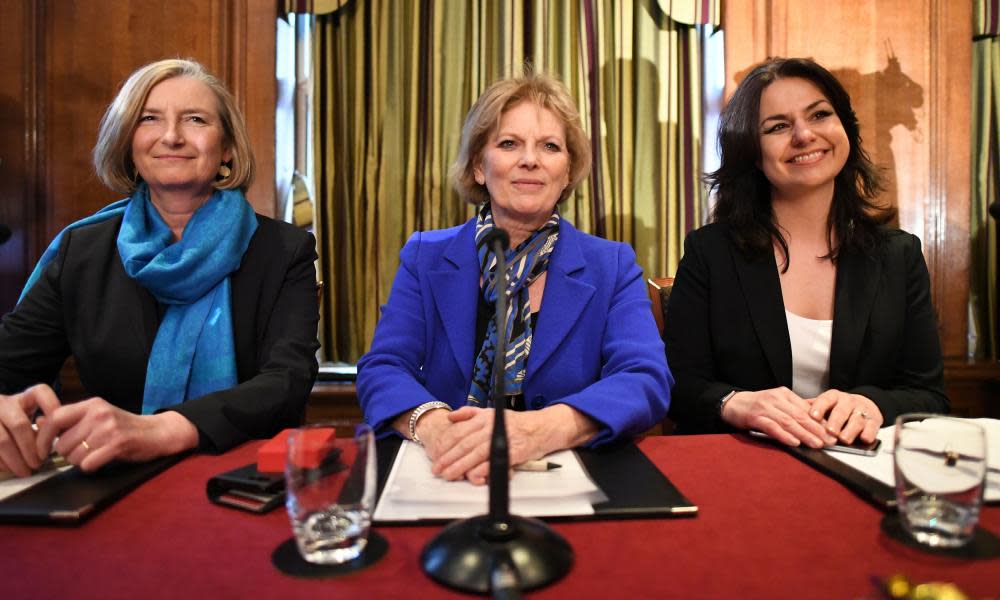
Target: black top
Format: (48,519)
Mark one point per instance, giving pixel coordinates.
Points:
(725,328)
(85,305)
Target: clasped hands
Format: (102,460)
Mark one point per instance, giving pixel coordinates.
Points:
(88,434)
(458,442)
(830,418)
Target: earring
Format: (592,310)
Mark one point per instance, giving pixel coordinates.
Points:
(224,171)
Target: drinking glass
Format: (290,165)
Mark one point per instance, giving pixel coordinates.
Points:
(940,468)
(330,491)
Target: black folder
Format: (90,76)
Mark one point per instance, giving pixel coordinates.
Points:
(862,484)
(635,488)
(72,497)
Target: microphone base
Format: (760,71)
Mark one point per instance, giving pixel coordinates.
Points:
(463,554)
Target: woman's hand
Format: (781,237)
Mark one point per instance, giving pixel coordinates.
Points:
(463,449)
(93,432)
(780,413)
(847,415)
(20,450)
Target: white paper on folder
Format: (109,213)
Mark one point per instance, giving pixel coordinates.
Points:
(412,492)
(880,466)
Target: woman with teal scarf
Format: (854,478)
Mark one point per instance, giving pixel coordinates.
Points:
(191,319)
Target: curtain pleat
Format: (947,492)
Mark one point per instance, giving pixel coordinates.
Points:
(984,294)
(395,80)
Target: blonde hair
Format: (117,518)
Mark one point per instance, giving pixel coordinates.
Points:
(113,152)
(484,118)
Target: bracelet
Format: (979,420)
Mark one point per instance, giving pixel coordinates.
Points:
(723,400)
(419,412)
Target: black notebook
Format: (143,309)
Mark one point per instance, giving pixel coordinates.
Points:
(71,497)
(635,488)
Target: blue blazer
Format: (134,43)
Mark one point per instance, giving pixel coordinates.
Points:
(596,347)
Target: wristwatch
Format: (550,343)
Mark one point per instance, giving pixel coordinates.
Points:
(722,402)
(419,412)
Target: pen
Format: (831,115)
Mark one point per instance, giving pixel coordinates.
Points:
(537,465)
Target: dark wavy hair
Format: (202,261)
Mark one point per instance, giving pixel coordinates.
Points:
(743,193)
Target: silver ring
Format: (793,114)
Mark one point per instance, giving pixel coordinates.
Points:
(85,445)
(864,415)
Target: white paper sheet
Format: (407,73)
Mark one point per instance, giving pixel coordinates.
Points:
(412,492)
(880,466)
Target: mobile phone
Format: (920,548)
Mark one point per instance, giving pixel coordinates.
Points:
(857,447)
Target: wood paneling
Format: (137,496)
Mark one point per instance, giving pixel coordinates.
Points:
(17,106)
(907,65)
(63,61)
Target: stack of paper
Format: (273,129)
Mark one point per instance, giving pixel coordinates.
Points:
(412,492)
(880,466)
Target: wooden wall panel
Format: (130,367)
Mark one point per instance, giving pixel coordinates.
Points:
(907,65)
(16,143)
(63,61)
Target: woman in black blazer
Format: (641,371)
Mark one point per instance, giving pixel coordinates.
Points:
(798,312)
(191,319)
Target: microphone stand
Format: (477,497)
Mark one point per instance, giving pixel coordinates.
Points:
(498,552)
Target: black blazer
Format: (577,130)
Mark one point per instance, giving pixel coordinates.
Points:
(725,329)
(85,305)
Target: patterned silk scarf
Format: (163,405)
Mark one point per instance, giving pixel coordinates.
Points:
(194,353)
(524,265)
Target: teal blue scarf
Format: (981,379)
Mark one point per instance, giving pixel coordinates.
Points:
(194,353)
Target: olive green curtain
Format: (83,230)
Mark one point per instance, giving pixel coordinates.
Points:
(394,80)
(985,177)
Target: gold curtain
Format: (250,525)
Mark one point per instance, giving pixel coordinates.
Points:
(394,81)
(985,176)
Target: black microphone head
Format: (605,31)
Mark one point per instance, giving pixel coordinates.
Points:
(4,234)
(994,211)
(496,235)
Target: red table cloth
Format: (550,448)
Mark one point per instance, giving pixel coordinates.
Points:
(768,526)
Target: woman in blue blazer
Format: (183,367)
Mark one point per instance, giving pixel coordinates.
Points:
(798,312)
(583,367)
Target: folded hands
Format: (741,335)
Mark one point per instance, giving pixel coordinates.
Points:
(88,434)
(830,418)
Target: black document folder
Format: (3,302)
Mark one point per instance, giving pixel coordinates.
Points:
(71,497)
(862,484)
(635,488)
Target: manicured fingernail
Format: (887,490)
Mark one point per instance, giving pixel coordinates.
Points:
(814,414)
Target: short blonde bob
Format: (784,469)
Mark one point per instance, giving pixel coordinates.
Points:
(113,152)
(484,119)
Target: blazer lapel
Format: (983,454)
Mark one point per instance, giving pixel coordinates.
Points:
(857,285)
(759,280)
(564,300)
(451,283)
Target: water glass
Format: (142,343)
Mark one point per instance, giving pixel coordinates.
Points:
(330,491)
(940,468)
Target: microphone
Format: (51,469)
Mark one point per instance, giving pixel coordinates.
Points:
(497,552)
(499,241)
(4,234)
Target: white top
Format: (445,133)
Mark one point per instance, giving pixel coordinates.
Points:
(810,354)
